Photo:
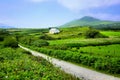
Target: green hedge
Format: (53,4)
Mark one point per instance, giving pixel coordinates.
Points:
(40,43)
(92,33)
(110,65)
(10,42)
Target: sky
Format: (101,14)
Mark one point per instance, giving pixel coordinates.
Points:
(51,13)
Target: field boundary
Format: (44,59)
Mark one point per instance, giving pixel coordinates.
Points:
(80,72)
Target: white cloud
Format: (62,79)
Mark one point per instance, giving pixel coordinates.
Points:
(87,4)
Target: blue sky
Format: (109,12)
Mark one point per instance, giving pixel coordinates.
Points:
(48,13)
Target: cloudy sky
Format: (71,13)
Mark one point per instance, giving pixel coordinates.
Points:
(47,13)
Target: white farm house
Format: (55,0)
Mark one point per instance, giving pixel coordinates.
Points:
(54,31)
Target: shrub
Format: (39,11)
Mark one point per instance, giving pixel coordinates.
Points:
(45,37)
(1,38)
(61,47)
(10,42)
(40,43)
(3,33)
(92,33)
(110,65)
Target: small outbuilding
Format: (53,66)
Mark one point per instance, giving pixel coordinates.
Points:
(54,31)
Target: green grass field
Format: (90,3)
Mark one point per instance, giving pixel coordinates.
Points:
(96,41)
(111,33)
(17,64)
(66,33)
(104,51)
(70,44)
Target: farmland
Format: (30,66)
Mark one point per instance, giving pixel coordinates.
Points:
(105,51)
(59,39)
(99,51)
(100,54)
(99,41)
(111,33)
(17,64)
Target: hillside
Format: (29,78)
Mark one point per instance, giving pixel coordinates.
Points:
(93,22)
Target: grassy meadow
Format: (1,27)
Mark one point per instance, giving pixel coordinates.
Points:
(96,49)
(111,33)
(18,64)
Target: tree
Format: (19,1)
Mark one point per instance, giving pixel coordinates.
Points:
(92,33)
(10,42)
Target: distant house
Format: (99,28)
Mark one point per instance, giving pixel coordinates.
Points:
(54,31)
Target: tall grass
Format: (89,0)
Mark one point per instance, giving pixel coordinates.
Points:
(17,64)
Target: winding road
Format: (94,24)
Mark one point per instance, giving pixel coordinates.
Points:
(80,72)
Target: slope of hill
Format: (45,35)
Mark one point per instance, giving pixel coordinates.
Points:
(94,22)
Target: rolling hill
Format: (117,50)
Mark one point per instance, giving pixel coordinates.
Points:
(93,22)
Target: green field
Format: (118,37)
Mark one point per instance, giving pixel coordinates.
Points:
(17,64)
(72,32)
(104,51)
(111,33)
(96,41)
(99,53)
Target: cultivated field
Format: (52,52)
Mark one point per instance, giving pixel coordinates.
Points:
(100,54)
(88,47)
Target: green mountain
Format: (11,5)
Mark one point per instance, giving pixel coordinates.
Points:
(88,19)
(93,22)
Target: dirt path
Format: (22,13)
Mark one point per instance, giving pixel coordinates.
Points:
(82,73)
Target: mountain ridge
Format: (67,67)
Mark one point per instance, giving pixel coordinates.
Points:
(88,18)
(91,21)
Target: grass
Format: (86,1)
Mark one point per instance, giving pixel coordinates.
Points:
(85,41)
(17,64)
(96,53)
(111,33)
(72,32)
(104,51)
(106,64)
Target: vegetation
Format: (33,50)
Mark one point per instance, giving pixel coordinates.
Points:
(77,32)
(104,63)
(10,42)
(45,37)
(85,42)
(98,51)
(82,45)
(40,43)
(105,51)
(114,34)
(91,33)
(16,64)
(3,33)
(94,23)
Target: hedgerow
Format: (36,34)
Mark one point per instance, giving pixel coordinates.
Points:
(10,42)
(107,64)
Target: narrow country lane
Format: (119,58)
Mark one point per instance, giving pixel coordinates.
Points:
(81,72)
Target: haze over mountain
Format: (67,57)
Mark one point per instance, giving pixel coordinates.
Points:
(5,26)
(91,21)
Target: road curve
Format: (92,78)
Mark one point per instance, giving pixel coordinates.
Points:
(80,72)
